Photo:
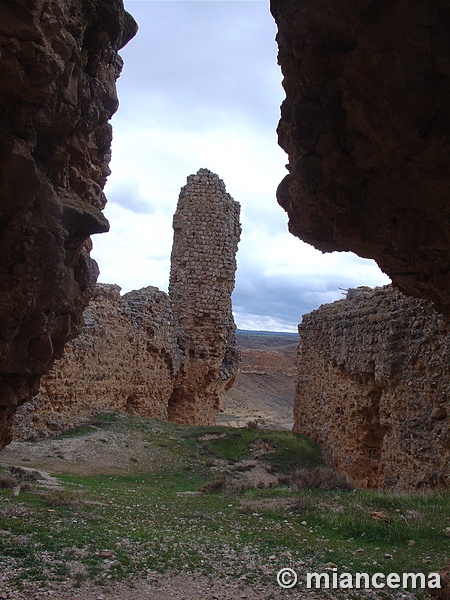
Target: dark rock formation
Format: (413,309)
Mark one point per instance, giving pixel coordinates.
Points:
(366,125)
(58,67)
(373,387)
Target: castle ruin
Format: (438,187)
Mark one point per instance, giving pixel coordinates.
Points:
(149,353)
(373,388)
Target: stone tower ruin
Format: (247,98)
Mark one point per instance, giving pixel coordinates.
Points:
(202,276)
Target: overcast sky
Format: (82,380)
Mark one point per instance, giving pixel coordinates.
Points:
(201,88)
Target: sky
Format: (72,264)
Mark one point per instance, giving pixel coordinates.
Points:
(201,88)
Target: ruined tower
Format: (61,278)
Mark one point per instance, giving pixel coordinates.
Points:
(202,275)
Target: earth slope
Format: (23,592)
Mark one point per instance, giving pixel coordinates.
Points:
(264,388)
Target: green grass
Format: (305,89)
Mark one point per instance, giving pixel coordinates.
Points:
(290,450)
(153,522)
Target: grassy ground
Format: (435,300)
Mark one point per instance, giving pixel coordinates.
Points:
(252,517)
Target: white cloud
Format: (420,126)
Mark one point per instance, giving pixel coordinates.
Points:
(261,322)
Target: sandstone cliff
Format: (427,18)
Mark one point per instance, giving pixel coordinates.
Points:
(58,67)
(373,387)
(366,125)
(145,353)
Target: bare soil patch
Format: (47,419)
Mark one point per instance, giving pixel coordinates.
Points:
(101,451)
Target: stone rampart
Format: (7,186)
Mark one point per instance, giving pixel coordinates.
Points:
(126,359)
(373,388)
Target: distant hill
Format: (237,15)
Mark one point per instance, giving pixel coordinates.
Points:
(265,339)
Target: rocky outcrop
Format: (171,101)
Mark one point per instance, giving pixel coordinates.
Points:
(366,125)
(145,353)
(203,265)
(58,66)
(373,387)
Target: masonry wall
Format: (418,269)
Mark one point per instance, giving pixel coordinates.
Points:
(373,388)
(126,359)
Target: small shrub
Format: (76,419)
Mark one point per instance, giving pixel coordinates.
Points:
(8,482)
(216,485)
(58,498)
(322,478)
(22,474)
(302,506)
(258,478)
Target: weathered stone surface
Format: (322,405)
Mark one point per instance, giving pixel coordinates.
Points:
(366,125)
(203,265)
(126,359)
(373,387)
(144,353)
(58,66)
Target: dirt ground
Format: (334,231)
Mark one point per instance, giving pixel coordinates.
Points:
(101,451)
(264,389)
(181,587)
(164,587)
(87,454)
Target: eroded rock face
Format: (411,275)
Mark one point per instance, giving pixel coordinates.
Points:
(58,68)
(373,387)
(366,125)
(145,353)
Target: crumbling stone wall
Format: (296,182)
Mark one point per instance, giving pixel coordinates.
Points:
(126,359)
(145,353)
(58,66)
(373,387)
(203,265)
(366,125)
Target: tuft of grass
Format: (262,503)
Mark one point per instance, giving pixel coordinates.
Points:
(64,498)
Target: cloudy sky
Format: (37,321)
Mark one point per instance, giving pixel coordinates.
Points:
(201,88)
